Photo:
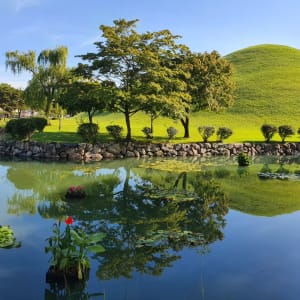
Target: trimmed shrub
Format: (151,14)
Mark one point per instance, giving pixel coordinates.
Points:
(243,159)
(224,133)
(285,131)
(147,132)
(40,123)
(171,131)
(115,131)
(206,132)
(88,132)
(268,131)
(21,129)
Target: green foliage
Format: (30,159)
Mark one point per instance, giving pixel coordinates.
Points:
(88,132)
(115,131)
(147,132)
(40,123)
(21,129)
(171,131)
(224,133)
(85,96)
(49,72)
(145,69)
(210,84)
(10,98)
(7,238)
(206,132)
(285,131)
(268,131)
(243,159)
(69,249)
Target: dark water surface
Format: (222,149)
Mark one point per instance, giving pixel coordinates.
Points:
(175,229)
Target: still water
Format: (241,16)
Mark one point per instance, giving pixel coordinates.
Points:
(175,229)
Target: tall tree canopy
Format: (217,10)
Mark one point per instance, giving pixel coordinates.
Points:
(85,96)
(10,98)
(142,66)
(210,84)
(49,71)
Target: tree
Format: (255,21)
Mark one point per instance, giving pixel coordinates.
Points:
(48,71)
(211,85)
(140,65)
(285,131)
(10,99)
(268,131)
(85,96)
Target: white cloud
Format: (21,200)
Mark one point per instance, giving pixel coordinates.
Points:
(18,5)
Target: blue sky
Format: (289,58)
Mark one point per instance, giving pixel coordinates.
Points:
(205,25)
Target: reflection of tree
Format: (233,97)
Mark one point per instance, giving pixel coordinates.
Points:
(149,222)
(19,204)
(147,219)
(71,291)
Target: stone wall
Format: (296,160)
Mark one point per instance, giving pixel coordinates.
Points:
(88,152)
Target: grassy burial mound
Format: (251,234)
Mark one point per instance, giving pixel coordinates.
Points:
(268,80)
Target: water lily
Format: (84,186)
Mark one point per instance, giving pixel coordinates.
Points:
(75,192)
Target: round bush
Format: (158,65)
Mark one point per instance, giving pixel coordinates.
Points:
(21,129)
(88,132)
(224,133)
(171,131)
(268,131)
(206,132)
(115,131)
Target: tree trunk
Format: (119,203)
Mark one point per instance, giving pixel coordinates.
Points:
(128,126)
(151,124)
(182,175)
(185,123)
(90,115)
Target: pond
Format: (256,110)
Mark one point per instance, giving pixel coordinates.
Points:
(174,229)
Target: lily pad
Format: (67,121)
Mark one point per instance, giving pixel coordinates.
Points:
(7,239)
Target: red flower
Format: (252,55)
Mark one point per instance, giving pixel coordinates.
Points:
(69,220)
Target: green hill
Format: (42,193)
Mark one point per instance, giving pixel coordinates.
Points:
(268,80)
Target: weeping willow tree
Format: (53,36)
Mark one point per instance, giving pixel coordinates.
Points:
(49,72)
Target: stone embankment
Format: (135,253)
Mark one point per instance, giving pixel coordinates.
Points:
(88,152)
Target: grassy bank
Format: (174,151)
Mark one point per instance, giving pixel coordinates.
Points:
(246,127)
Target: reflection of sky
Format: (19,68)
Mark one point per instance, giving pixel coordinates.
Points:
(258,259)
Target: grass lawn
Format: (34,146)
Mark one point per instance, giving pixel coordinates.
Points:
(245,127)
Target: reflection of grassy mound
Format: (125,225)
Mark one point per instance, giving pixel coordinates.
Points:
(267,198)
(252,195)
(171,165)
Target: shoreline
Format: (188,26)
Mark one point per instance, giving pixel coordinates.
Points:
(113,150)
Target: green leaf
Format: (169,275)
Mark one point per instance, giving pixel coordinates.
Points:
(96,237)
(96,249)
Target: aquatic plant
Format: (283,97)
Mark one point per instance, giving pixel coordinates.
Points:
(69,250)
(75,192)
(7,238)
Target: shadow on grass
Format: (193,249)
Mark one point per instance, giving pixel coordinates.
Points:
(72,137)
(65,137)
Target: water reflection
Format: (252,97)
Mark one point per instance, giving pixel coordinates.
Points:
(152,215)
(71,291)
(146,222)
